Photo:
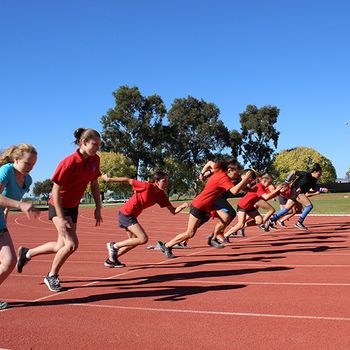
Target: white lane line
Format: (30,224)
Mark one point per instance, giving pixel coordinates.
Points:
(224,313)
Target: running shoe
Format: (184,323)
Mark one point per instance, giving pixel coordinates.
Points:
(112,252)
(272,225)
(241,233)
(111,264)
(227,239)
(53,283)
(22,258)
(263,228)
(301,226)
(210,237)
(166,250)
(4,305)
(214,243)
(282,223)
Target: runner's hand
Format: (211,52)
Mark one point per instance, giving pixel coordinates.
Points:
(29,210)
(98,216)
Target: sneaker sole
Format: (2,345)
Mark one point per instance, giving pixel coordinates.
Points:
(113,266)
(19,270)
(48,286)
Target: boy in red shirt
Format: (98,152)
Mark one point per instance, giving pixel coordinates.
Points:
(246,205)
(146,194)
(218,183)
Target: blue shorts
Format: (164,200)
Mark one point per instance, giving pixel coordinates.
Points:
(125,221)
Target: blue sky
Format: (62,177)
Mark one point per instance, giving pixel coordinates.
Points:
(61,60)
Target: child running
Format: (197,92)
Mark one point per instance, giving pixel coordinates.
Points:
(297,194)
(223,210)
(70,180)
(246,205)
(218,183)
(296,209)
(146,195)
(15,165)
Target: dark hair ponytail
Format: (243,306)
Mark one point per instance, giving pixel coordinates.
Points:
(229,164)
(159,175)
(316,168)
(84,134)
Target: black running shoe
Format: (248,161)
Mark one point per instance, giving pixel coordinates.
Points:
(53,283)
(4,305)
(166,250)
(22,258)
(263,228)
(272,225)
(282,223)
(111,264)
(301,226)
(210,237)
(227,239)
(112,252)
(214,243)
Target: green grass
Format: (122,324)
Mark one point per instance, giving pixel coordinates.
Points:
(328,203)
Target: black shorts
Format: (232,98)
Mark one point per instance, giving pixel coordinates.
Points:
(2,231)
(249,212)
(221,203)
(202,215)
(68,212)
(125,220)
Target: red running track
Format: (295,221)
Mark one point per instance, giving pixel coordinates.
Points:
(283,290)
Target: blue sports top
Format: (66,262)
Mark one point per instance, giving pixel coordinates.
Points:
(12,189)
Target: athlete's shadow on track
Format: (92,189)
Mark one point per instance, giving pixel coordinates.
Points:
(167,293)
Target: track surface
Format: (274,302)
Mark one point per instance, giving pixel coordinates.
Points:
(283,290)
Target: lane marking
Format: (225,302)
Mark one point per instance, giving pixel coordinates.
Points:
(224,313)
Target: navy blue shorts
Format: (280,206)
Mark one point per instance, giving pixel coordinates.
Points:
(125,221)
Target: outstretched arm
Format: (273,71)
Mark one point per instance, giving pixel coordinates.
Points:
(127,180)
(246,178)
(175,210)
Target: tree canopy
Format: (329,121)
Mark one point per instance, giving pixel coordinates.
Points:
(302,158)
(259,136)
(43,189)
(134,127)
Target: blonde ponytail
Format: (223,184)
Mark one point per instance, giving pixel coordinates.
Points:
(13,152)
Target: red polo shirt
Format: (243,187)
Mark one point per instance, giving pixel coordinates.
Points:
(146,194)
(73,174)
(217,183)
(247,202)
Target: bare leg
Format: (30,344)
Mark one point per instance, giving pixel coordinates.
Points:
(269,210)
(241,216)
(224,220)
(7,256)
(70,240)
(47,248)
(192,227)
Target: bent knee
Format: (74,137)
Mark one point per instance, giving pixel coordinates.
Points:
(72,246)
(8,264)
(143,240)
(258,220)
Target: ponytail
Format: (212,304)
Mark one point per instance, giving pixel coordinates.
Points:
(316,168)
(84,134)
(13,152)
